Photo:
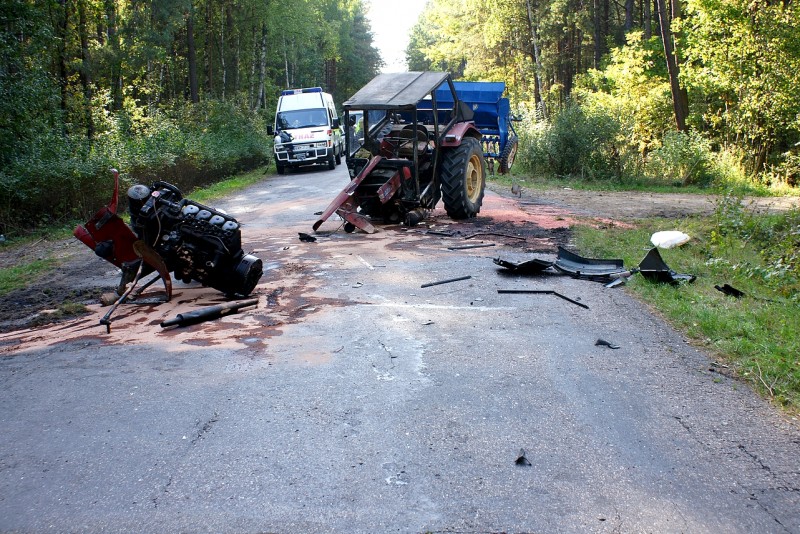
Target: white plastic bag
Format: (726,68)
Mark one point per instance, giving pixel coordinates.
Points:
(669,239)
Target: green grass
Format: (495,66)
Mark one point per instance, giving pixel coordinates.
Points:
(758,335)
(227,186)
(19,276)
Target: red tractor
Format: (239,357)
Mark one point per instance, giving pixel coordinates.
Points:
(404,153)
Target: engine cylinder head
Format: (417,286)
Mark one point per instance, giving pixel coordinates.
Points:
(190,210)
(137,196)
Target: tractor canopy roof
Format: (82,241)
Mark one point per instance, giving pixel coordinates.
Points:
(402,90)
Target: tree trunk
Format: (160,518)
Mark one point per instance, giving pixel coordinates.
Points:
(191,53)
(222,66)
(628,15)
(647,18)
(61,29)
(262,68)
(231,46)
(598,37)
(86,69)
(679,98)
(209,55)
(286,61)
(537,58)
(116,69)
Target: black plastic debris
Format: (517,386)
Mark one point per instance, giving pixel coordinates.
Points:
(603,343)
(655,269)
(730,291)
(601,270)
(306,237)
(521,459)
(533,266)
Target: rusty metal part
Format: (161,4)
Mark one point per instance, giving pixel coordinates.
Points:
(154,260)
(542,292)
(147,256)
(387,190)
(458,279)
(106,319)
(207,314)
(344,205)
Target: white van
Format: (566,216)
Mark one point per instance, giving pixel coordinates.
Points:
(307,129)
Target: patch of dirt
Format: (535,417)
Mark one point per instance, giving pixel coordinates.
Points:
(79,278)
(621,205)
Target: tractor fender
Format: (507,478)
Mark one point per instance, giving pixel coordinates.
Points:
(458,132)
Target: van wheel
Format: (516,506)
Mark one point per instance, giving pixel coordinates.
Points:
(331,162)
(280,168)
(339,158)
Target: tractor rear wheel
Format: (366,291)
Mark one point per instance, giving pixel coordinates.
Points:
(509,154)
(463,179)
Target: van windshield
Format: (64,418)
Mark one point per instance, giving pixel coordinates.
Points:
(301,118)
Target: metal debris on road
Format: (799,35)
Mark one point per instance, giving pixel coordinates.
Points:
(436,232)
(464,247)
(603,343)
(446,281)
(542,292)
(306,237)
(522,459)
(207,314)
(498,234)
(534,266)
(589,268)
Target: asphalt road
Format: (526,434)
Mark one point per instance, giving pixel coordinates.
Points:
(353,400)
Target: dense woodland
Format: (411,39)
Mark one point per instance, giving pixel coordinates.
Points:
(680,91)
(701,92)
(179,90)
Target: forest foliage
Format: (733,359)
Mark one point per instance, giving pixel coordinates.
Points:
(677,92)
(182,89)
(178,90)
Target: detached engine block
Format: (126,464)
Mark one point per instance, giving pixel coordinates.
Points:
(195,241)
(169,233)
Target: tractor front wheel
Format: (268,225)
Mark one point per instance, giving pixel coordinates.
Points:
(463,178)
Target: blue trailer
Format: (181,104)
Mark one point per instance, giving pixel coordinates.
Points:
(492,117)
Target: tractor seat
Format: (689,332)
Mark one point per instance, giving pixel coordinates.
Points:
(406,147)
